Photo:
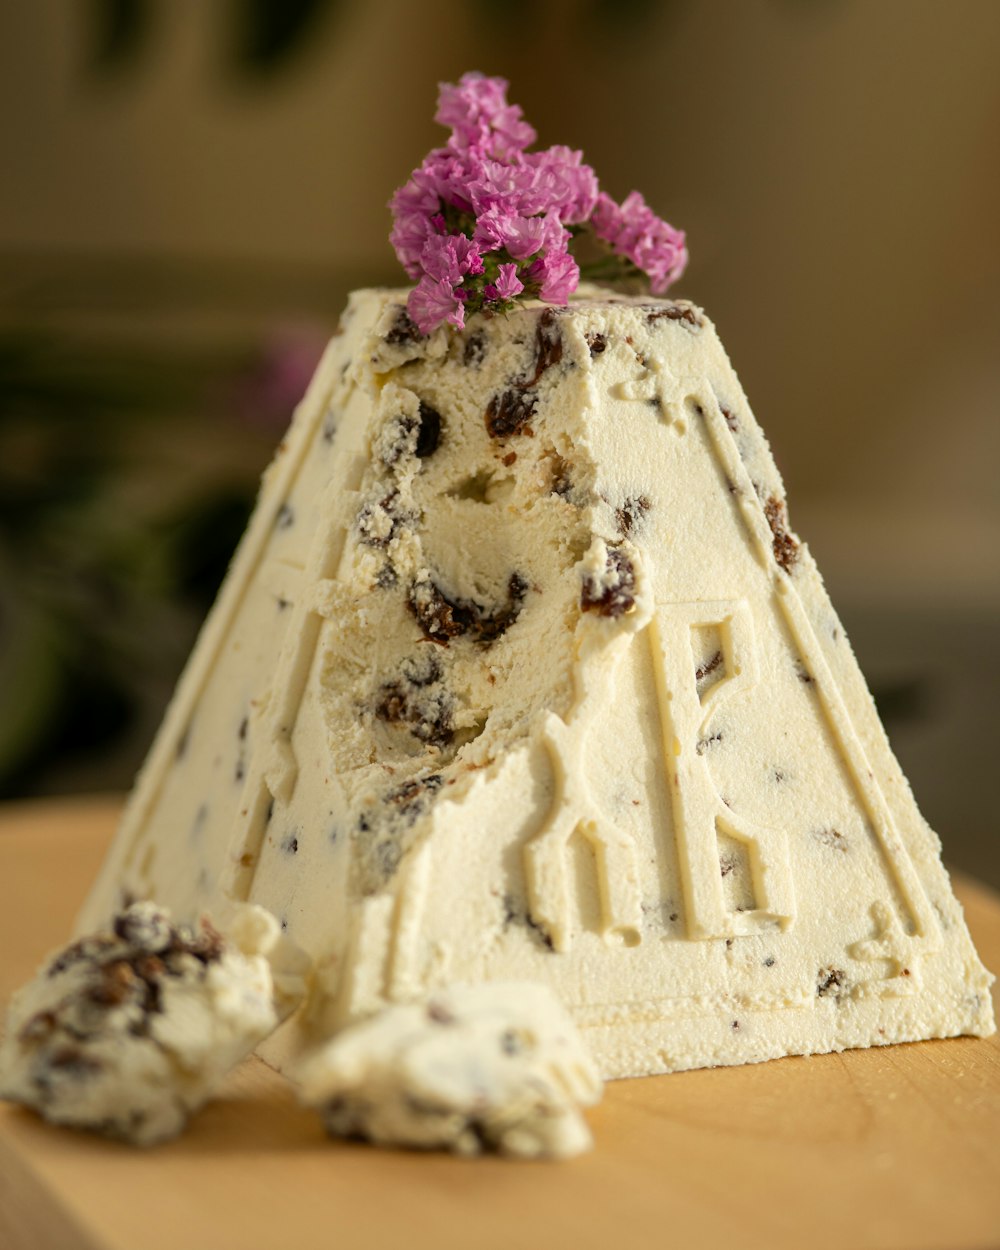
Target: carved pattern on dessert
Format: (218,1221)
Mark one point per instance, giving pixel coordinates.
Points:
(655,386)
(405,976)
(890,943)
(326,389)
(574,810)
(699,810)
(274,768)
(831,701)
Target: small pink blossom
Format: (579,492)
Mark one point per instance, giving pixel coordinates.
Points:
(517,188)
(635,232)
(433,301)
(450,257)
(521,236)
(480,117)
(507,286)
(571,186)
(557,275)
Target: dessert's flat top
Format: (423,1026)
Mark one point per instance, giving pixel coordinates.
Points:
(886,1147)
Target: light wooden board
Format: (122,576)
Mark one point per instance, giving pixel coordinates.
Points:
(897,1147)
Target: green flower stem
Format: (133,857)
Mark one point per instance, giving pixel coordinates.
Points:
(608,269)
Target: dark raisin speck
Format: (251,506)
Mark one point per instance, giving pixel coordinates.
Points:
(631,512)
(706,669)
(423,708)
(410,797)
(829,982)
(421,670)
(511,1043)
(442,618)
(509,412)
(614,594)
(40,1026)
(597,343)
(832,838)
(403,330)
(786,548)
(686,314)
(474,351)
(548,344)
(115,986)
(207,945)
(74,1062)
(429,434)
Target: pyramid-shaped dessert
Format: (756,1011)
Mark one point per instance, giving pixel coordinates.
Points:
(520,674)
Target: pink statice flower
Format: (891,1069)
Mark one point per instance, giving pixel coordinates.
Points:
(516,188)
(440,182)
(507,285)
(556,276)
(480,117)
(634,231)
(450,257)
(571,187)
(498,229)
(434,301)
(482,221)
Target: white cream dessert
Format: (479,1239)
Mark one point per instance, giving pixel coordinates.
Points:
(520,674)
(130,1030)
(471,1068)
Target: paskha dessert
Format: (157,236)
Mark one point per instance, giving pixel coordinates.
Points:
(130,1030)
(523,675)
(520,672)
(470,1068)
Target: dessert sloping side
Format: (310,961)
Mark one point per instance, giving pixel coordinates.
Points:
(521,674)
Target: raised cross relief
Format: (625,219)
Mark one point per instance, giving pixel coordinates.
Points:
(574,811)
(687,701)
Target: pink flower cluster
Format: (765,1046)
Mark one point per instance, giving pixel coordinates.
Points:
(634,231)
(483,221)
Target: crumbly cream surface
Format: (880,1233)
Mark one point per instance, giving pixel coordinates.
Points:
(520,673)
(129,1030)
(498,1066)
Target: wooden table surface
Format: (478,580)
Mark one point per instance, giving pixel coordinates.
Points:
(897,1147)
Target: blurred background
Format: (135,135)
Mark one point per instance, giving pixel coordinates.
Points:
(189,190)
